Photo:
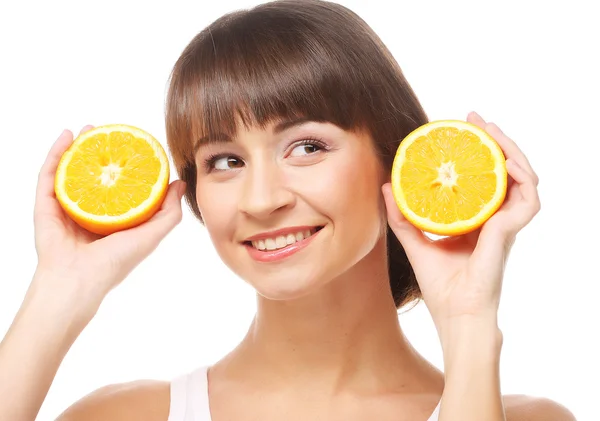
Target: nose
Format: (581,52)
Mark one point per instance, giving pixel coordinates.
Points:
(264,191)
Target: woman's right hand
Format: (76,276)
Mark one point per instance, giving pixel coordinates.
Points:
(75,271)
(75,260)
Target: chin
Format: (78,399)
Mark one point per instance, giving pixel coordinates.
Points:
(280,288)
(288,282)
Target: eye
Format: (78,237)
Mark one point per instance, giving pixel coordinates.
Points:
(307,147)
(223,163)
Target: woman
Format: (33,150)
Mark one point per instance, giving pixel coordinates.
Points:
(283,122)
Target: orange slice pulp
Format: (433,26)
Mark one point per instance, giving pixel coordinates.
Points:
(449,177)
(111,178)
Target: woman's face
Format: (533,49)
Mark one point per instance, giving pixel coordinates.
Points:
(292,206)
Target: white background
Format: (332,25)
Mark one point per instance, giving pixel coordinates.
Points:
(531,68)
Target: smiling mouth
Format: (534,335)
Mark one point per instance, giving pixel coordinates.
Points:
(282,241)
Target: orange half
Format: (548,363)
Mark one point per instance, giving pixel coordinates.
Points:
(449,177)
(112,178)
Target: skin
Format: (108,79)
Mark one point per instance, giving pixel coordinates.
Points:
(326,327)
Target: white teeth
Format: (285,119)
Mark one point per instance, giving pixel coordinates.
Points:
(282,240)
(270,243)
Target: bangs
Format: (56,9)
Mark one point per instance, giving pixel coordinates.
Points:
(253,71)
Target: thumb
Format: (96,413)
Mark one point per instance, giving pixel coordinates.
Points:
(162,222)
(137,243)
(415,243)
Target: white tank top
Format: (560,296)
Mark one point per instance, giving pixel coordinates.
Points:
(189,398)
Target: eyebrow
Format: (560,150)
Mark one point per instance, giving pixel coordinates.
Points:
(224,138)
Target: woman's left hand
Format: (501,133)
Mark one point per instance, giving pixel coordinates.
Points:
(462,276)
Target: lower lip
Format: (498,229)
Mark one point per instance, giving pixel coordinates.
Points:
(279,254)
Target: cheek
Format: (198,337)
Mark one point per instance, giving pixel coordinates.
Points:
(358,189)
(218,207)
(358,221)
(350,195)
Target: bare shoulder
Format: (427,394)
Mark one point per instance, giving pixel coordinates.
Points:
(529,408)
(146,400)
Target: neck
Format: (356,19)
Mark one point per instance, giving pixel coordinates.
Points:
(348,329)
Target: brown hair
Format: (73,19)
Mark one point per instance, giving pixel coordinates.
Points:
(287,59)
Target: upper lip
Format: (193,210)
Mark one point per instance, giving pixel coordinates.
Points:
(282,231)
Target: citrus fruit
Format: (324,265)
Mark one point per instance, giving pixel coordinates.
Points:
(111,178)
(449,177)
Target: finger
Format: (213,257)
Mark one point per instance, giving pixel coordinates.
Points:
(530,205)
(476,119)
(170,213)
(414,242)
(45,186)
(85,128)
(508,146)
(60,146)
(511,150)
(521,205)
